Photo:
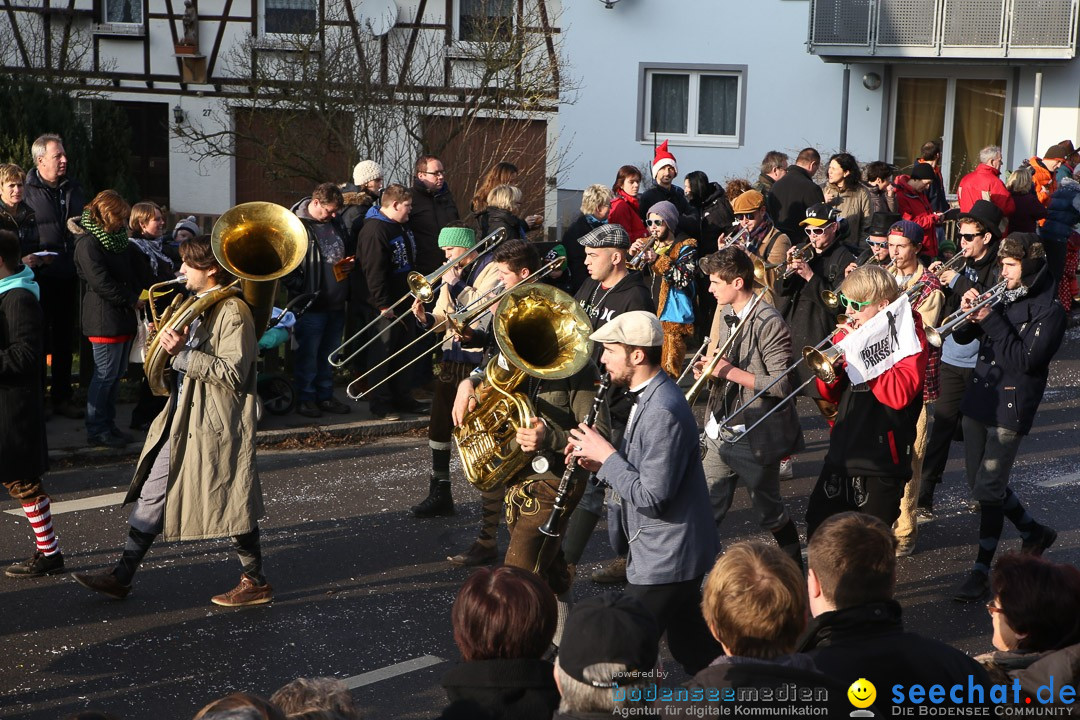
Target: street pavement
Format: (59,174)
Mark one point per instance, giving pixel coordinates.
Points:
(363,590)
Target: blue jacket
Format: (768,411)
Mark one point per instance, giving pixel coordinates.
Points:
(658,476)
(1018,342)
(1063,212)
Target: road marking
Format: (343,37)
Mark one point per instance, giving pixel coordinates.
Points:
(390,671)
(87,503)
(1061,480)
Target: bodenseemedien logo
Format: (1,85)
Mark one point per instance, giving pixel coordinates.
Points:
(862,694)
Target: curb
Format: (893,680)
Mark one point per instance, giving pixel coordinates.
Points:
(360,430)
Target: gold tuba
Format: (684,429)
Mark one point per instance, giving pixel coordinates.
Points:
(258,242)
(541,332)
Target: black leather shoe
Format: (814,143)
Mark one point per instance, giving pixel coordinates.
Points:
(1039,543)
(37,565)
(106,440)
(974,588)
(309,409)
(335,406)
(440,503)
(104,583)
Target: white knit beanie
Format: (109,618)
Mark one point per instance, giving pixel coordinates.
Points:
(366,171)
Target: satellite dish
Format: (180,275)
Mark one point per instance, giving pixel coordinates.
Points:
(376,16)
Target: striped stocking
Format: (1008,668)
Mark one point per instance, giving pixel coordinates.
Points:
(41,519)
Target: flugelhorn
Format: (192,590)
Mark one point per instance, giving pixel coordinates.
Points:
(955,321)
(422,288)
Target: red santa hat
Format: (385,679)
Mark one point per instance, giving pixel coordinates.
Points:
(662,158)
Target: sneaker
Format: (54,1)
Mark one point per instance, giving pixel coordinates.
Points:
(69,410)
(613,572)
(106,440)
(104,583)
(308,408)
(246,593)
(438,503)
(37,565)
(477,554)
(1039,543)
(787,468)
(335,406)
(974,588)
(924,515)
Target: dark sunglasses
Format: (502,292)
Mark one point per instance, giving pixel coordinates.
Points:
(855,305)
(745,216)
(969,236)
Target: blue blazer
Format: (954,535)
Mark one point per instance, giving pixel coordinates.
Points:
(658,476)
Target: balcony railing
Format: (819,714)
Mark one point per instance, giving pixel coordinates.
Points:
(972,29)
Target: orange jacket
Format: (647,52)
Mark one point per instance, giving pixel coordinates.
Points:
(1045,184)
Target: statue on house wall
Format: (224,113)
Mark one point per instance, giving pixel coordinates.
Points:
(191,24)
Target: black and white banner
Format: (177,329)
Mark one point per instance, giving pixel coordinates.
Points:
(882,342)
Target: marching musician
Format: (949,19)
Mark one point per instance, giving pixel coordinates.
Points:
(457,287)
(870,447)
(766,241)
(560,405)
(1017,340)
(660,483)
(905,242)
(196,477)
(877,242)
(806,313)
(979,236)
(761,352)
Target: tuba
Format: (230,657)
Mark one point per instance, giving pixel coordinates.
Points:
(542,332)
(258,242)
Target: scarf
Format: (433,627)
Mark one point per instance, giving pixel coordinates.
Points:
(758,234)
(23,279)
(152,250)
(114,242)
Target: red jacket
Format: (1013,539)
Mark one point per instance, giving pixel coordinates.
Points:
(984,180)
(624,211)
(916,207)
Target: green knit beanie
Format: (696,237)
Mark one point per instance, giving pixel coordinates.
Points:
(462,237)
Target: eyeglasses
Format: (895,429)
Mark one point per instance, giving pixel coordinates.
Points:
(436,173)
(815,231)
(877,243)
(969,236)
(745,216)
(991,609)
(855,305)
(654,223)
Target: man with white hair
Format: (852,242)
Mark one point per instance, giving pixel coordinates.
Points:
(984,183)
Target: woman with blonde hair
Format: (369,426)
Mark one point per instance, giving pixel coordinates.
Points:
(503,204)
(595,209)
(1029,212)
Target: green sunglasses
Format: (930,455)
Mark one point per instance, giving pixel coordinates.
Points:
(855,305)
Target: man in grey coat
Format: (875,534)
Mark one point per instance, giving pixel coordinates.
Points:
(760,353)
(660,484)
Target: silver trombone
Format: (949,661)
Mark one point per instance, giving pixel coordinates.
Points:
(457,320)
(422,288)
(821,362)
(955,321)
(693,360)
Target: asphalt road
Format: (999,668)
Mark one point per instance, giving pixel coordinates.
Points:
(363,591)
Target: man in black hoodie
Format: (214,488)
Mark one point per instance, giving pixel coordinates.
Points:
(55,198)
(857,630)
(1018,339)
(433,208)
(792,194)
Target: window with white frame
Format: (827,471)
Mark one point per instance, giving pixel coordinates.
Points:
(123,12)
(702,103)
(282,17)
(485,20)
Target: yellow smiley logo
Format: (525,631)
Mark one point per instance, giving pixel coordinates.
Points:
(862,693)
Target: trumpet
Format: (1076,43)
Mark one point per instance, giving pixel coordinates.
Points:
(804,252)
(821,361)
(954,263)
(955,321)
(736,239)
(637,262)
(422,288)
(710,367)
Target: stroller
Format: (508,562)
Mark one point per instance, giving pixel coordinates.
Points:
(273,387)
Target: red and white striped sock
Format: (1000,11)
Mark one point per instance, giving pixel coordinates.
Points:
(41,519)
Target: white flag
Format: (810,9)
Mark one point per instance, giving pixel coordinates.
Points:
(881,343)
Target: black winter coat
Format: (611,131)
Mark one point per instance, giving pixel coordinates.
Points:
(431,212)
(53,207)
(22,357)
(386,252)
(981,274)
(501,690)
(494,218)
(307,277)
(1018,341)
(801,304)
(114,282)
(656,193)
(790,197)
(24,224)
(708,220)
(575,253)
(869,641)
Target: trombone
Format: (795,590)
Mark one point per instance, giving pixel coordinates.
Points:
(697,356)
(821,362)
(936,336)
(421,287)
(710,367)
(457,320)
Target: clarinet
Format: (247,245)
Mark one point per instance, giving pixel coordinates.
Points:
(551,527)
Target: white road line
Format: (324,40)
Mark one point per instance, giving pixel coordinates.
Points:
(86,503)
(390,671)
(1060,480)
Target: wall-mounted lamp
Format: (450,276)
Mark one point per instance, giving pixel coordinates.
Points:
(178,114)
(609,3)
(871,81)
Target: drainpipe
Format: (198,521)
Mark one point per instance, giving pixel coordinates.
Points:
(845,97)
(1036,110)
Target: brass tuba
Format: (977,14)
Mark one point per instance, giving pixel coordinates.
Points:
(258,242)
(542,332)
